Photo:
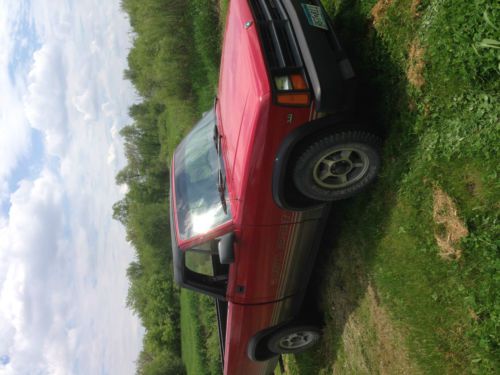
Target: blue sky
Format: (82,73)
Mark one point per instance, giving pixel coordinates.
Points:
(63,101)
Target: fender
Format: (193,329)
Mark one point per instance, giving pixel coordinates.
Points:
(257,350)
(284,193)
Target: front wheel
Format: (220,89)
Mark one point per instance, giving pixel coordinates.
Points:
(337,166)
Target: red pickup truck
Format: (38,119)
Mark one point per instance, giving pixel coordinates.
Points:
(252,182)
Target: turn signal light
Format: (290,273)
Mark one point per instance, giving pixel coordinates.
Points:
(298,82)
(293,98)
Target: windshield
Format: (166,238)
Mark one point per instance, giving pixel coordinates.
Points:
(198,201)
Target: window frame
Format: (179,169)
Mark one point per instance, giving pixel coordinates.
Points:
(216,285)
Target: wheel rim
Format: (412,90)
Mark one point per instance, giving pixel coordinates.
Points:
(297,340)
(340,167)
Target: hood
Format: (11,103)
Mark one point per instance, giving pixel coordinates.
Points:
(243,86)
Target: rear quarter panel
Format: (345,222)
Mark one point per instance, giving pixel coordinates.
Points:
(256,318)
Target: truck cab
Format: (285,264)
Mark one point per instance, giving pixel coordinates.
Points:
(253,182)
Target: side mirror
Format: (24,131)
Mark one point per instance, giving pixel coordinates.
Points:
(226,249)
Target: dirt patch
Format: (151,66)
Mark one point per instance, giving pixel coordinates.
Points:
(392,353)
(414,8)
(450,228)
(372,343)
(360,337)
(416,64)
(357,361)
(379,11)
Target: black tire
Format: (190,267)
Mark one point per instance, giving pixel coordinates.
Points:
(293,339)
(337,166)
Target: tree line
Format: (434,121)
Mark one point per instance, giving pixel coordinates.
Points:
(173,77)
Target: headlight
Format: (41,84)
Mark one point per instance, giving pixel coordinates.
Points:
(283,83)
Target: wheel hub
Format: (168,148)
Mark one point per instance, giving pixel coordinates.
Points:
(296,340)
(340,167)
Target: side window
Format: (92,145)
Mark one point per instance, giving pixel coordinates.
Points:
(204,270)
(199,262)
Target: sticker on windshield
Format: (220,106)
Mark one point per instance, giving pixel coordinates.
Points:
(315,16)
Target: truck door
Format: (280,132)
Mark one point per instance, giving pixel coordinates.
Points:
(273,262)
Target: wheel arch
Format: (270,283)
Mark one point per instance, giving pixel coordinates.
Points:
(291,198)
(257,346)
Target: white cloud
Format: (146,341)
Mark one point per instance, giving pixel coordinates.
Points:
(14,128)
(45,104)
(115,133)
(111,154)
(4,189)
(62,258)
(29,246)
(6,24)
(83,104)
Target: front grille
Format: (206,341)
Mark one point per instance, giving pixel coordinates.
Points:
(278,42)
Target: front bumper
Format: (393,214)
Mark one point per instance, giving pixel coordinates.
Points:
(291,43)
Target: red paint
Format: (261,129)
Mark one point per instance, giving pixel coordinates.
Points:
(252,129)
(267,265)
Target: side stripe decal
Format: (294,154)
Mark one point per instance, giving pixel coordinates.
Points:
(289,254)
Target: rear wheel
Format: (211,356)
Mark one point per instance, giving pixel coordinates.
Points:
(337,166)
(293,339)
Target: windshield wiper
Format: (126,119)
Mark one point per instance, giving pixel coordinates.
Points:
(221,181)
(216,138)
(221,187)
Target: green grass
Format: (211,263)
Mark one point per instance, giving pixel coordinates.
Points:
(199,334)
(191,344)
(445,133)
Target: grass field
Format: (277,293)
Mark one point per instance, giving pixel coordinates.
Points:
(191,345)
(410,281)
(409,275)
(199,335)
